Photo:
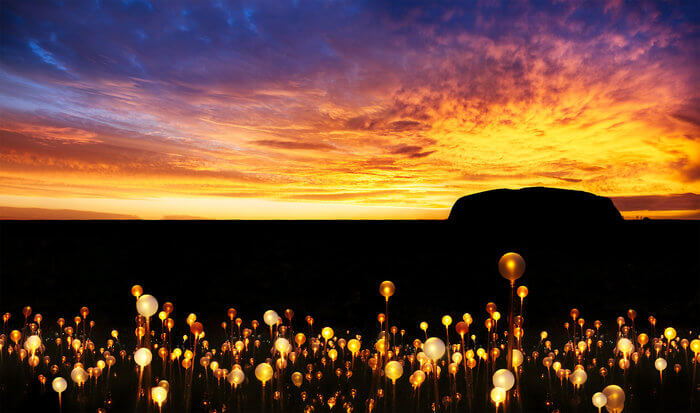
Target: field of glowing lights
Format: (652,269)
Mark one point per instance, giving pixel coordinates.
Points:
(476,362)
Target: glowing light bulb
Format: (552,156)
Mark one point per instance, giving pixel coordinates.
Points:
(504,379)
(297,379)
(32,344)
(670,333)
(79,375)
(660,364)
(354,346)
(147,305)
(578,378)
(393,370)
(625,346)
(599,400)
(263,372)
(236,377)
(159,395)
(270,317)
(282,345)
(387,289)
(59,384)
(434,348)
(498,395)
(522,292)
(615,398)
(327,333)
(511,266)
(143,357)
(517,358)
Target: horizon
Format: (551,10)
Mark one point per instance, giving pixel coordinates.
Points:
(299,211)
(343,110)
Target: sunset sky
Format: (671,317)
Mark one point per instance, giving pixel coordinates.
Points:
(344,109)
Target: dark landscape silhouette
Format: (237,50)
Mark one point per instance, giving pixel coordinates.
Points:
(579,253)
(331,267)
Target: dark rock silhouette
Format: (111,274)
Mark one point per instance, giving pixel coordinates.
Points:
(536,207)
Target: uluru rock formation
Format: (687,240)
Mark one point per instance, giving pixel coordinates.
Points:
(536,207)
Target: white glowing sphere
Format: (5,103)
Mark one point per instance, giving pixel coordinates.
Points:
(236,377)
(504,379)
(660,364)
(394,370)
(79,375)
(263,372)
(434,348)
(159,394)
(498,395)
(32,343)
(517,358)
(59,384)
(625,346)
(147,305)
(599,400)
(143,357)
(270,317)
(578,377)
(282,345)
(457,357)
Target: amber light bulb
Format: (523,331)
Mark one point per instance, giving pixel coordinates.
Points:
(511,266)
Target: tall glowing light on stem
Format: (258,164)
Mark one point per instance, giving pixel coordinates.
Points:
(386,289)
(660,364)
(424,327)
(136,291)
(670,333)
(522,293)
(599,400)
(434,348)
(498,396)
(447,321)
(235,377)
(159,394)
(416,379)
(32,344)
(142,357)
(626,347)
(271,318)
(462,328)
(354,347)
(393,371)
(59,385)
(511,266)
(147,306)
(327,333)
(197,330)
(263,372)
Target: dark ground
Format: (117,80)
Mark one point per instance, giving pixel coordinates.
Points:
(332,269)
